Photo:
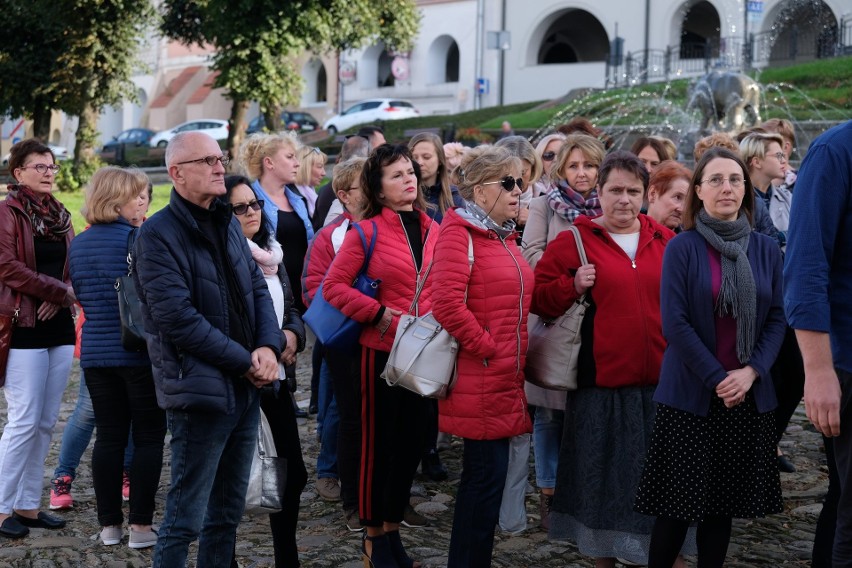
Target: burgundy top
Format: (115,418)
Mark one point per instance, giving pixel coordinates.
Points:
(726,326)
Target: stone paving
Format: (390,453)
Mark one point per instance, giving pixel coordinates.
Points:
(324,541)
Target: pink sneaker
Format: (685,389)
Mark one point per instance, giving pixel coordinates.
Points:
(60,494)
(125,487)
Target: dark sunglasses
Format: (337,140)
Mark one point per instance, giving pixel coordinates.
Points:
(243,208)
(508,183)
(548,156)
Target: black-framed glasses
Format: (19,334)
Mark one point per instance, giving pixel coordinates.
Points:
(242,208)
(548,156)
(717,181)
(209,160)
(508,183)
(43,168)
(780,157)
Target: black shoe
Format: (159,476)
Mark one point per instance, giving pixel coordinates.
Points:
(381,555)
(43,521)
(11,528)
(785,465)
(398,551)
(432,467)
(300,412)
(313,408)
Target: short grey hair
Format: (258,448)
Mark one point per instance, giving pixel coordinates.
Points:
(178,144)
(354,147)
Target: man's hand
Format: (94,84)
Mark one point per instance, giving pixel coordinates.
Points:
(264,367)
(288,356)
(822,387)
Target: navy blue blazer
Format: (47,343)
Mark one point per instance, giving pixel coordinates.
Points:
(690,371)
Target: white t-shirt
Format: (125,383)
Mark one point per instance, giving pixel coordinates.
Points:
(629,242)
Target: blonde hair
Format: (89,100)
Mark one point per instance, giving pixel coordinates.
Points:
(592,148)
(109,189)
(755,145)
(308,156)
(481,164)
(521,147)
(346,172)
(445,197)
(544,142)
(259,146)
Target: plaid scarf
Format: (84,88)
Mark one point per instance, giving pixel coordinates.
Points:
(570,204)
(49,218)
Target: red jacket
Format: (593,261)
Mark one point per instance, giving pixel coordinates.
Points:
(21,275)
(392,262)
(622,332)
(321,252)
(488,401)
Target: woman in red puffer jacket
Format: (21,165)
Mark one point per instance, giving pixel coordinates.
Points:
(484,305)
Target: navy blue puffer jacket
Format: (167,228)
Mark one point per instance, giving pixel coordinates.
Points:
(184,305)
(97,257)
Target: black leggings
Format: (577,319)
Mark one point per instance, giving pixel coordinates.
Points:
(714,534)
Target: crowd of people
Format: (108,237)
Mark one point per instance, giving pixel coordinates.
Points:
(715,299)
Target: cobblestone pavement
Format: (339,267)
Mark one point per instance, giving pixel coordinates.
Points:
(324,541)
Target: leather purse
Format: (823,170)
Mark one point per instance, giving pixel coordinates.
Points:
(268,475)
(129,305)
(332,328)
(424,355)
(554,344)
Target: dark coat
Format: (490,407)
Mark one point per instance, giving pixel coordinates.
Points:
(185,299)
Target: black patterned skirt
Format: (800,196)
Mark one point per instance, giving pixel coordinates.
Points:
(722,464)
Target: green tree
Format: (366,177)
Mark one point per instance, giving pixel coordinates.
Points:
(257,42)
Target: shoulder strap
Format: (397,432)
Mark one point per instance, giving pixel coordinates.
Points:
(131,239)
(368,250)
(581,250)
(429,269)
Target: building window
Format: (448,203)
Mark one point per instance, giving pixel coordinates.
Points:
(572,36)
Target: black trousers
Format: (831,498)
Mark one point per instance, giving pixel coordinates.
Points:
(345,369)
(788,377)
(282,420)
(122,396)
(392,430)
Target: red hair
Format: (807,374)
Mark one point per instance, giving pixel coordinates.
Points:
(666,173)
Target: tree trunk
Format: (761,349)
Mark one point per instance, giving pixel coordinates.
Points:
(272,118)
(236,127)
(41,120)
(84,147)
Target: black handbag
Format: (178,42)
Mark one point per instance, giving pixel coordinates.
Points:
(129,305)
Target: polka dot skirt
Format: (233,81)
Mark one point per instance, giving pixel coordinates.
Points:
(721,465)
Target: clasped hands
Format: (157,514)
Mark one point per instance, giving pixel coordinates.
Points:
(264,367)
(732,390)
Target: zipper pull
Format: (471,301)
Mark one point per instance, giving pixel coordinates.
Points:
(633,263)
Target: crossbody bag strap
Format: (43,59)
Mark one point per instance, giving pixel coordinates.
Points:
(131,240)
(368,250)
(582,252)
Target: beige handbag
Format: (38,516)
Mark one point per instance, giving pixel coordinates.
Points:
(554,344)
(423,356)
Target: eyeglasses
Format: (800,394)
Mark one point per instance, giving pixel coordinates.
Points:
(548,156)
(780,156)
(209,160)
(42,168)
(717,181)
(243,208)
(508,183)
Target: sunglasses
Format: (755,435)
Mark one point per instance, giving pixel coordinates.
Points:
(243,208)
(508,183)
(548,156)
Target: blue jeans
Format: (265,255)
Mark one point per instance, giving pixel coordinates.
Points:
(211,460)
(547,438)
(78,434)
(484,467)
(328,422)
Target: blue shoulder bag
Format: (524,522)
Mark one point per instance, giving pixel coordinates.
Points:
(331,327)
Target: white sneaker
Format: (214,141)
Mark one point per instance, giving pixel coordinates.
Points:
(142,539)
(111,535)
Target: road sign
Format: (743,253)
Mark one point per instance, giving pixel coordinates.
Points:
(482,85)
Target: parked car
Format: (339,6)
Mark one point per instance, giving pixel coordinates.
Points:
(218,129)
(301,121)
(60,152)
(129,147)
(371,110)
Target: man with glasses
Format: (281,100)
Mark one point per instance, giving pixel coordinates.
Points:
(213,340)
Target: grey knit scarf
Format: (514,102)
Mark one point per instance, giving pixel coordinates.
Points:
(737,294)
